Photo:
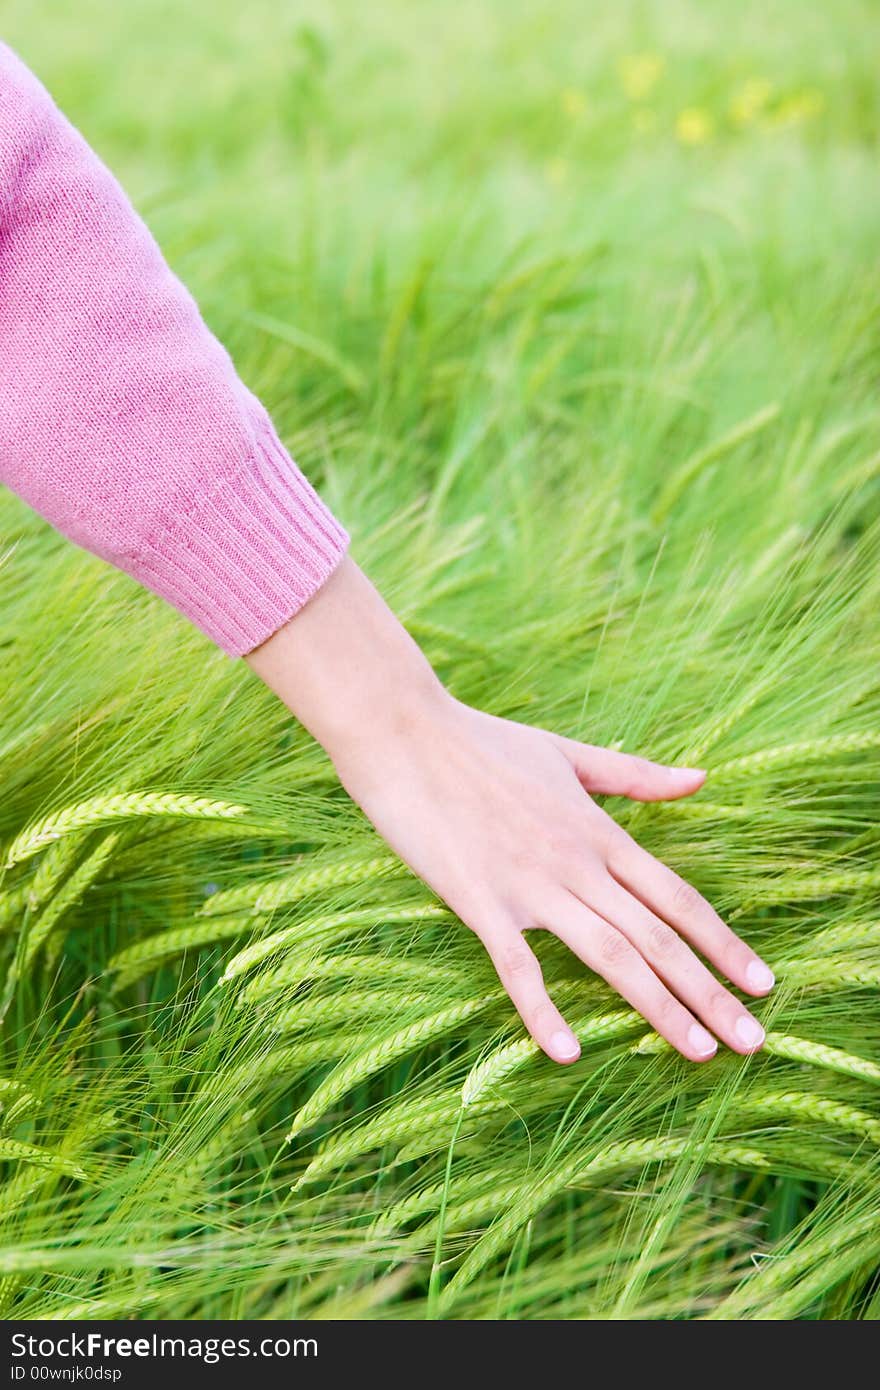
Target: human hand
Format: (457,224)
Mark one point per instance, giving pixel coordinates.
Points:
(498,818)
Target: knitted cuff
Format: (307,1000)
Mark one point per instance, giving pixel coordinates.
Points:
(249,554)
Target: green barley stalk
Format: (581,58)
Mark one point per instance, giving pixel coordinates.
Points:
(13,902)
(315,929)
(815,1253)
(678,481)
(477,1209)
(52,867)
(436,1273)
(303,883)
(14,1112)
(831,974)
(303,965)
(324,1011)
(115,1308)
(508,1059)
(839,937)
(11,1089)
(395,1126)
(819,1055)
(537,1194)
(67,896)
(133,961)
(441,1109)
(384,969)
(466,1211)
(34,935)
(19,1191)
(793,889)
(784,1045)
(578,1171)
(723,723)
(791,754)
(376,1058)
(126,806)
(290,1061)
(804,1105)
(14,1151)
(215,1152)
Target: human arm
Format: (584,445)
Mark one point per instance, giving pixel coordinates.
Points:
(125,424)
(123,421)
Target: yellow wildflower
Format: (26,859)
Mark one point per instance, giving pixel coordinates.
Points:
(557,171)
(694,126)
(573,102)
(639,74)
(800,107)
(749,100)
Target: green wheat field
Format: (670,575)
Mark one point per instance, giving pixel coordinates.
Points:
(570,311)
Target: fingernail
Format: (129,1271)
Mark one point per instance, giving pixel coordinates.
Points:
(749,1031)
(760,976)
(565,1046)
(702,1042)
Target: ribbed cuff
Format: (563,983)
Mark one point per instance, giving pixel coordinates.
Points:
(250,553)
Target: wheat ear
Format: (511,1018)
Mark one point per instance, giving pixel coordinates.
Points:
(350,1073)
(15,1151)
(269,895)
(818,1055)
(124,806)
(804,1105)
(315,926)
(806,751)
(142,956)
(68,895)
(795,889)
(508,1059)
(576,1172)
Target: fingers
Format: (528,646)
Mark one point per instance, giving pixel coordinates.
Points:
(610,954)
(520,973)
(678,903)
(624,774)
(674,962)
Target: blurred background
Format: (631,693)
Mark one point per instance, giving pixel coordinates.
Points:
(588,187)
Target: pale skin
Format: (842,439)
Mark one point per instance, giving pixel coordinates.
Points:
(498,818)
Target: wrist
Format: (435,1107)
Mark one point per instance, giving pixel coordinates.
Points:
(349,670)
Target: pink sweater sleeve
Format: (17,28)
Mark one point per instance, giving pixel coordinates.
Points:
(122,419)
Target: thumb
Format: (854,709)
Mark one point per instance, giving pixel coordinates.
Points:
(625,774)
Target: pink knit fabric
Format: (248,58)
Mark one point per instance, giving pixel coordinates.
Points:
(122,419)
